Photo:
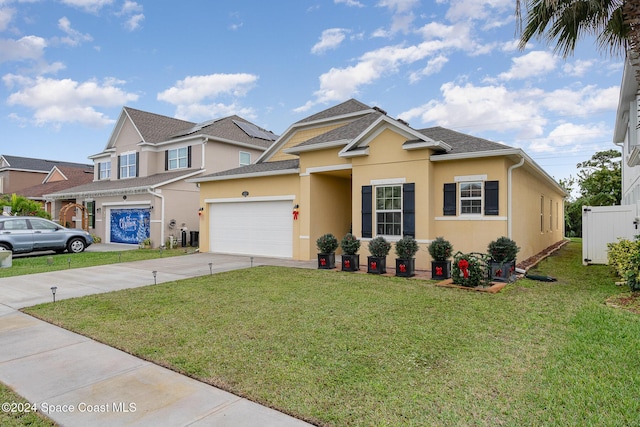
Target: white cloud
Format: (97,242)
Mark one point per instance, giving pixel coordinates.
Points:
(132,11)
(351,3)
(74,37)
(399,6)
(330,39)
(577,69)
(67,101)
(190,95)
(582,101)
(6,16)
(532,64)
(465,10)
(433,66)
(133,23)
(92,6)
(130,7)
(570,137)
(28,47)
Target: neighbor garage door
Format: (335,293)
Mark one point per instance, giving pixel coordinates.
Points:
(262,228)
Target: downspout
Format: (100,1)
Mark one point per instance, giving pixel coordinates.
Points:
(161,197)
(510,201)
(204,143)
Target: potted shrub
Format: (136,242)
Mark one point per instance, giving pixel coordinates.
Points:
(327,245)
(406,249)
(470,269)
(440,251)
(502,254)
(350,258)
(379,248)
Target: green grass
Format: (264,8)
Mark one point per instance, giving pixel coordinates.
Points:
(15,415)
(44,263)
(336,348)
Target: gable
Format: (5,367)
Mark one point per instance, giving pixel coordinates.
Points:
(299,137)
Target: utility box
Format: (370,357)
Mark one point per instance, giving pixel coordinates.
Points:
(194,237)
(6,259)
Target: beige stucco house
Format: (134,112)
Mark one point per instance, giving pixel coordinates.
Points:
(353,167)
(139,188)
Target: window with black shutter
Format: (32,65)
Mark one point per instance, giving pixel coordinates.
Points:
(491,201)
(367,207)
(450,199)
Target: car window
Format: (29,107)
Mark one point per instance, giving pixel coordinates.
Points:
(15,224)
(39,224)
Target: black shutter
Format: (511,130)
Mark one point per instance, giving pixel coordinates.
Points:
(491,198)
(450,199)
(119,167)
(409,210)
(137,164)
(367,208)
(189,156)
(166,160)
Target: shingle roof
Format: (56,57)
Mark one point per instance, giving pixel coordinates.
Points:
(27,163)
(346,132)
(347,107)
(123,185)
(461,142)
(75,177)
(157,128)
(255,168)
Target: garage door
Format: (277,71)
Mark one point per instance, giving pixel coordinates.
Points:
(262,228)
(129,225)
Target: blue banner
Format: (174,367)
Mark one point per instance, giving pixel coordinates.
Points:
(129,225)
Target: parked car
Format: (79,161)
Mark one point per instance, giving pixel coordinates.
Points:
(22,234)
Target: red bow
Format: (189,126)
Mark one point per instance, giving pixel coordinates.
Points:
(463,264)
(295,214)
(347,263)
(323,261)
(438,271)
(403,268)
(373,265)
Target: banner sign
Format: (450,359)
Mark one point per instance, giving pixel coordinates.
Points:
(129,225)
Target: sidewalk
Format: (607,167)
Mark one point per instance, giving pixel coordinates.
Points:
(77,381)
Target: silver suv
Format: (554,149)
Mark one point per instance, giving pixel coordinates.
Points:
(22,234)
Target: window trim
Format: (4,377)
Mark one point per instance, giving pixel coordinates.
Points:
(471,198)
(399,210)
(178,158)
(106,170)
(126,167)
(240,158)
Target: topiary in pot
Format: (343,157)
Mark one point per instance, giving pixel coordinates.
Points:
(379,248)
(502,253)
(327,245)
(350,259)
(440,250)
(406,249)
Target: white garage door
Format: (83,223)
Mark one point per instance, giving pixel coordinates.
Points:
(262,228)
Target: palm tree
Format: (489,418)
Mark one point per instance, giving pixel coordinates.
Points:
(613,22)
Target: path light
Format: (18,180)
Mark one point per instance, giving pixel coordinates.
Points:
(119,256)
(155,273)
(210,268)
(161,248)
(251,261)
(53,291)
(69,261)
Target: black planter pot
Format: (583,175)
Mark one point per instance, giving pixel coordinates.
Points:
(502,271)
(350,262)
(376,265)
(441,270)
(327,261)
(406,267)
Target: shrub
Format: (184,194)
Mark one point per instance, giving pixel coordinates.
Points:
(327,243)
(96,238)
(470,270)
(503,250)
(406,248)
(350,244)
(624,258)
(379,247)
(440,249)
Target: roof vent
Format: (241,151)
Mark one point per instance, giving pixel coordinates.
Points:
(380,110)
(403,122)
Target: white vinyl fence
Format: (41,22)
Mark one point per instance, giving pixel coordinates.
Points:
(606,224)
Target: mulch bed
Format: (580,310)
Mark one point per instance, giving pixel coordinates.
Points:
(494,287)
(534,260)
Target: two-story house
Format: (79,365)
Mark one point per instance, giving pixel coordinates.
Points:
(18,173)
(353,167)
(139,188)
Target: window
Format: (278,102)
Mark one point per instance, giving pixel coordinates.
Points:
(245,158)
(91,213)
(542,214)
(550,215)
(128,165)
(389,210)
(470,198)
(104,170)
(39,224)
(178,158)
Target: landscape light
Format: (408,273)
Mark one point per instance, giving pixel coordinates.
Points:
(155,273)
(210,268)
(53,291)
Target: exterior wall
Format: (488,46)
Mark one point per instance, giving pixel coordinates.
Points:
(219,156)
(630,174)
(301,136)
(13,181)
(535,229)
(264,186)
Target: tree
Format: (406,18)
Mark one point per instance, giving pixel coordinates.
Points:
(22,206)
(614,23)
(599,183)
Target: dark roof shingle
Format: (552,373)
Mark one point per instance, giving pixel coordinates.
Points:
(461,142)
(42,165)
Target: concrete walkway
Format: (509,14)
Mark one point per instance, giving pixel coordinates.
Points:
(78,382)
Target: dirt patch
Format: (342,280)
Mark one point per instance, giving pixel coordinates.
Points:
(630,302)
(534,260)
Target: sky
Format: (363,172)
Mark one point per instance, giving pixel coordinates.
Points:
(67,67)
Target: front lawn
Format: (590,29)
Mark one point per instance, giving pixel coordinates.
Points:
(336,348)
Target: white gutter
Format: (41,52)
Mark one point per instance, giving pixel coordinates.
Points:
(161,197)
(510,200)
(204,142)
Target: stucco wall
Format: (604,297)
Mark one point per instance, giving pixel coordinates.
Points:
(300,136)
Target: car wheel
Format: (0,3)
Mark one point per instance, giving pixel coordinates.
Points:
(76,245)
(5,247)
